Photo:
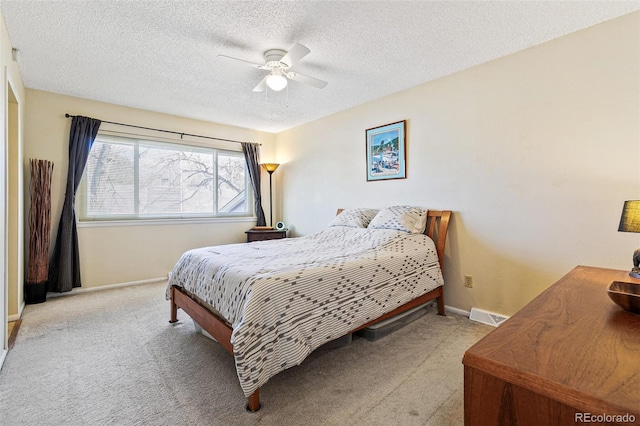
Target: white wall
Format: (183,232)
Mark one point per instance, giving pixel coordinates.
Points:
(120,254)
(535,153)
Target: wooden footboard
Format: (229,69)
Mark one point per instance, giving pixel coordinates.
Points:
(221,331)
(217,327)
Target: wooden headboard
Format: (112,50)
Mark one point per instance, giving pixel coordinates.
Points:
(437,227)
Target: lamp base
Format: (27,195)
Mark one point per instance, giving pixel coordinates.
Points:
(635,273)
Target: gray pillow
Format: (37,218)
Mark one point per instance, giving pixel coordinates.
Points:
(402,218)
(354,218)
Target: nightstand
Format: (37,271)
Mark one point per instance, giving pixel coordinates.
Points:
(263,235)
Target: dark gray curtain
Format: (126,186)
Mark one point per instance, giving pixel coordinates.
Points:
(252,157)
(64,269)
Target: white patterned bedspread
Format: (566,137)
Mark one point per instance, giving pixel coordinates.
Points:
(285,298)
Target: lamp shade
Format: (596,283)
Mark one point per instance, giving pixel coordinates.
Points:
(276,82)
(630,219)
(270,167)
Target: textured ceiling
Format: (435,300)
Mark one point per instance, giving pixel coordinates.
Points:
(162,55)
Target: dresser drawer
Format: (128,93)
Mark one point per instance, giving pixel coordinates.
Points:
(253,235)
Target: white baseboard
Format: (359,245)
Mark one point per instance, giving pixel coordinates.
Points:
(457,311)
(485,317)
(104,287)
(3,356)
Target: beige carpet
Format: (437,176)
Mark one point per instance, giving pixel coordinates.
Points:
(111,357)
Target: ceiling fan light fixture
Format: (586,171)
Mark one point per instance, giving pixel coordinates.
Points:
(276,82)
(277,63)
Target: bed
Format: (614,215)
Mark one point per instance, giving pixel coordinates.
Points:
(271,303)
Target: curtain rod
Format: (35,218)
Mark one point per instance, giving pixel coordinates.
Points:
(167,131)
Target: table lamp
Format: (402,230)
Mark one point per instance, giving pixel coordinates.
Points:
(630,222)
(270,168)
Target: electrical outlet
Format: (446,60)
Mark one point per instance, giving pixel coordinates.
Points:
(468,281)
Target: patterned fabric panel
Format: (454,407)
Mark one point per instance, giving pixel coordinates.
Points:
(285,298)
(354,218)
(402,218)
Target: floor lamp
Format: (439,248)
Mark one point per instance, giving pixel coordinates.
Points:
(270,168)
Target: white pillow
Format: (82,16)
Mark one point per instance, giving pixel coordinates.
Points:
(402,218)
(354,218)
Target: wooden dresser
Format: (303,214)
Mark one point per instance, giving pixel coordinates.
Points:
(569,355)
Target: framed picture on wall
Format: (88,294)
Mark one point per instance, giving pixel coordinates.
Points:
(386,152)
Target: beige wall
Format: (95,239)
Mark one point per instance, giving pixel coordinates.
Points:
(535,153)
(15,215)
(120,254)
(11,124)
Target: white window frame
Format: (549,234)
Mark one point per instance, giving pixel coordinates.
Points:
(136,218)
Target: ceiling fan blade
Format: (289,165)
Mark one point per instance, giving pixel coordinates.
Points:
(261,86)
(229,58)
(294,54)
(311,81)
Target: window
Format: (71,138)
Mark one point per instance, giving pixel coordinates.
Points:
(141,179)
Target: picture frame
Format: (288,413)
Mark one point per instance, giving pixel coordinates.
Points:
(386,152)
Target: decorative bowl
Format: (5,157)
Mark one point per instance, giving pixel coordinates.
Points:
(626,295)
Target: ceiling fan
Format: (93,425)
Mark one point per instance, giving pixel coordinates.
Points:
(278,62)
